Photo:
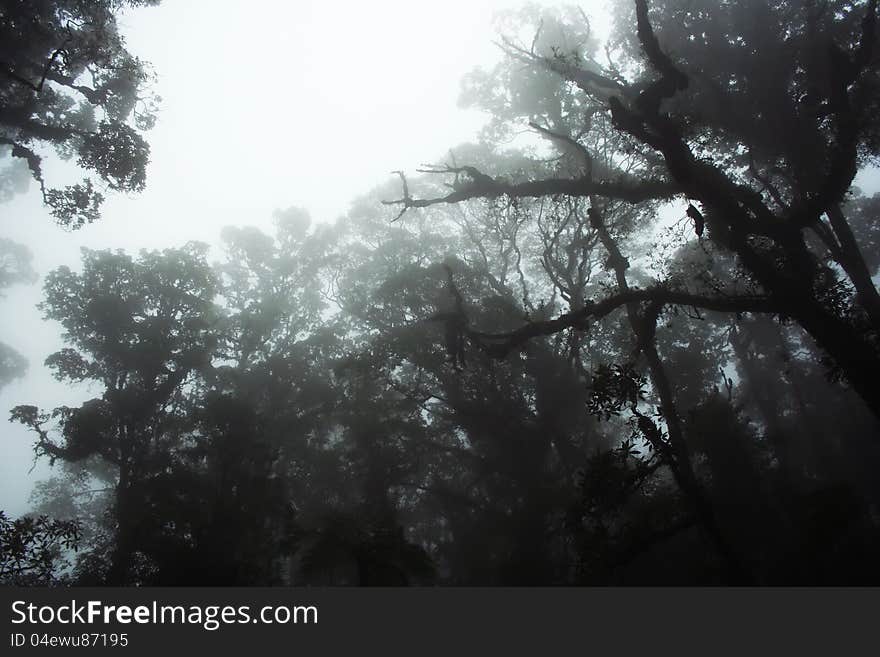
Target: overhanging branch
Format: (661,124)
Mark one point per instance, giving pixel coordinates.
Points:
(480,185)
(499,344)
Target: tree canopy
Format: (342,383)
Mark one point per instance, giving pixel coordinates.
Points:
(67,82)
(638,346)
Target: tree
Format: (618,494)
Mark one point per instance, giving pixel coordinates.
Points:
(590,358)
(265,405)
(142,330)
(68,82)
(762,199)
(322,434)
(198,434)
(652,138)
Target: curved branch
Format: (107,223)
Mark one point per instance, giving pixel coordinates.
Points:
(571,142)
(500,344)
(627,188)
(10,70)
(659,59)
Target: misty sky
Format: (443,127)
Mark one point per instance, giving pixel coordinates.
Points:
(265,105)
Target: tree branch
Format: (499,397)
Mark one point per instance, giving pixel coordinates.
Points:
(572,143)
(37,87)
(843,164)
(627,189)
(590,82)
(33,160)
(500,344)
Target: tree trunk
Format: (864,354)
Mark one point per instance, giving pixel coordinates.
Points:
(682,469)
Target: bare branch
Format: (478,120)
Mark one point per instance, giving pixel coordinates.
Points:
(624,188)
(571,142)
(406,197)
(591,82)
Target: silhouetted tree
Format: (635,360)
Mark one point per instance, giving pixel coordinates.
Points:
(783,221)
(141,330)
(635,348)
(66,80)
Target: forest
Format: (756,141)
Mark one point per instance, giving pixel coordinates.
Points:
(630,336)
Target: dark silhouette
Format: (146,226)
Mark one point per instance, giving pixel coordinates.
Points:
(67,81)
(525,373)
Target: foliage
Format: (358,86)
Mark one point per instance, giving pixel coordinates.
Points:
(68,82)
(601,358)
(30,548)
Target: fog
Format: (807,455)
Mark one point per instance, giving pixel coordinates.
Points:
(264,106)
(491,293)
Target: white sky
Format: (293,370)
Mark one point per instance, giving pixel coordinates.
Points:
(265,105)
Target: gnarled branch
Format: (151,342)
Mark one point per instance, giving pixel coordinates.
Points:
(481,185)
(500,344)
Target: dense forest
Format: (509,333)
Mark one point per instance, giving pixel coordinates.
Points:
(630,336)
